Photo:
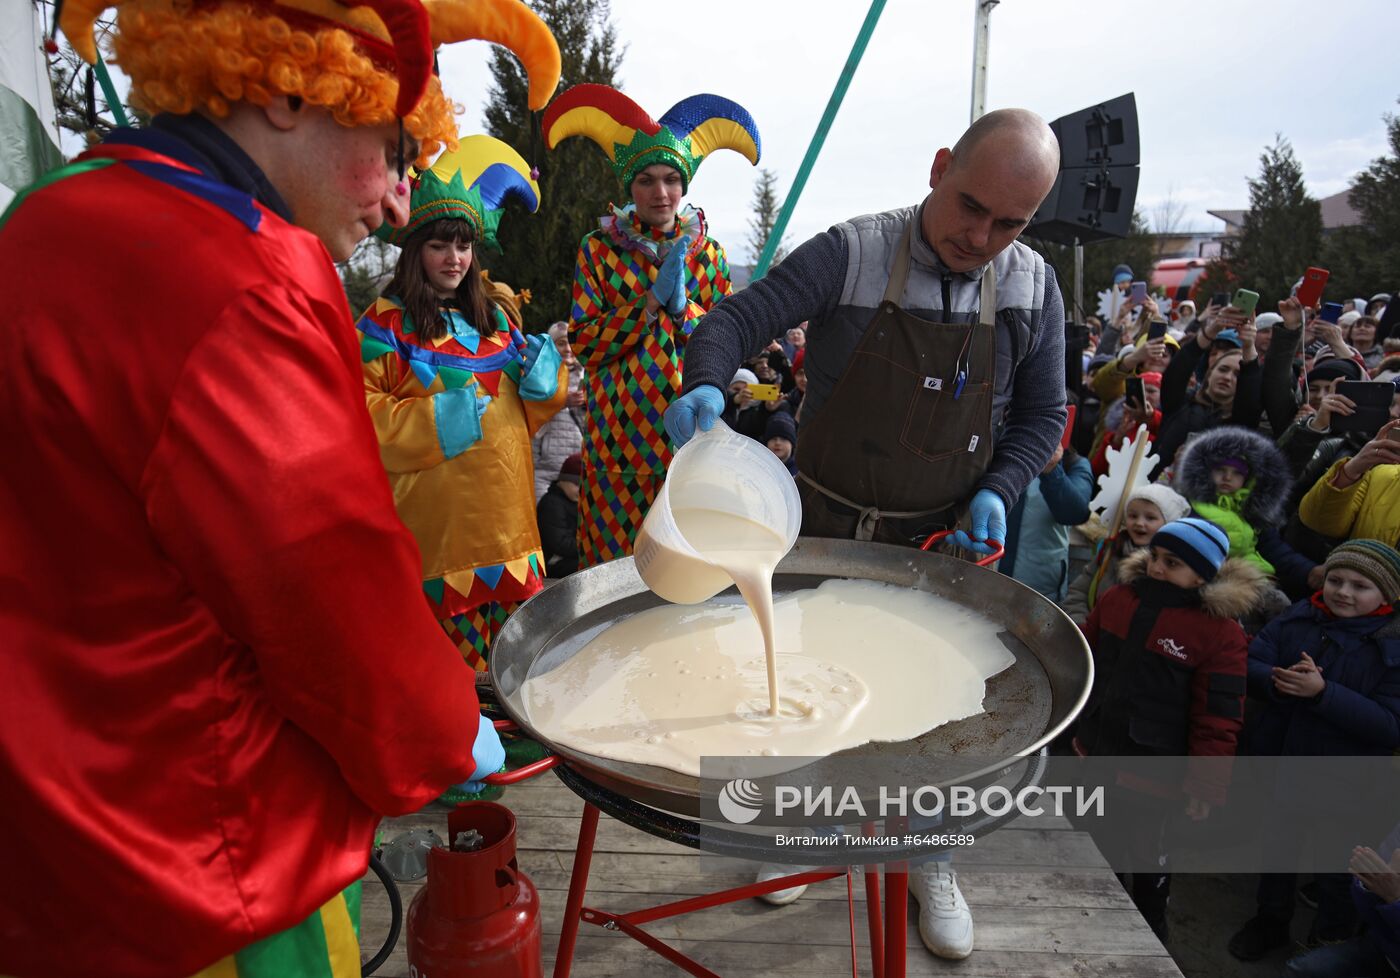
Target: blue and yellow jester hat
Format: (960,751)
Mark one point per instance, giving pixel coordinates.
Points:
(690,130)
(470,184)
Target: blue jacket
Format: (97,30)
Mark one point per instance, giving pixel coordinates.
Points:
(1382,920)
(1037,529)
(1357,712)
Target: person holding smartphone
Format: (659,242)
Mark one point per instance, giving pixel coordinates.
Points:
(1360,495)
(1228,392)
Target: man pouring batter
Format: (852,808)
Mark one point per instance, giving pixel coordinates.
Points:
(935,375)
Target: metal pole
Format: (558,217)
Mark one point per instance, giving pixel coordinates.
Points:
(109,92)
(814,148)
(981,38)
(1077,313)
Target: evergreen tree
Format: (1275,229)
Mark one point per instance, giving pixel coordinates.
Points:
(576,179)
(1138,251)
(1282,233)
(765,214)
(365,274)
(1366,259)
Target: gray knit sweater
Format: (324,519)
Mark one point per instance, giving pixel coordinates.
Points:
(835,280)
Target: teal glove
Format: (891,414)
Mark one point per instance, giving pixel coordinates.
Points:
(533,345)
(699,408)
(457,414)
(988,515)
(540,376)
(670,278)
(487,752)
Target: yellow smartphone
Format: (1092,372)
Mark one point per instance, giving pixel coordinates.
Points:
(765,392)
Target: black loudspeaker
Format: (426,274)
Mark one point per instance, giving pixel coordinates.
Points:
(1094,195)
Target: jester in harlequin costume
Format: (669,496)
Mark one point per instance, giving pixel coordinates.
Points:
(208,704)
(456,392)
(642,281)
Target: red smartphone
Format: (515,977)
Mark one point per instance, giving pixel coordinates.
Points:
(1310,292)
(1071,410)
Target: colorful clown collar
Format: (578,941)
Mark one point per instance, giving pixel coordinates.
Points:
(470,184)
(689,131)
(629,233)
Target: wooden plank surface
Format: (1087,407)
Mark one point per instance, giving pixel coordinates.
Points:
(1033,917)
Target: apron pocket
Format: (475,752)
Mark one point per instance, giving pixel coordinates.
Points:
(938,426)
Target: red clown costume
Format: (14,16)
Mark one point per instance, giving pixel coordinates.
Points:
(200,724)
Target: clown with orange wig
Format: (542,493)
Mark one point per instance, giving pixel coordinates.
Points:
(209,704)
(642,281)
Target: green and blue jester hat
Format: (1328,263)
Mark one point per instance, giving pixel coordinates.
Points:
(469,184)
(690,130)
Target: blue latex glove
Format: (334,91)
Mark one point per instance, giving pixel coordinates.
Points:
(701,407)
(669,288)
(988,514)
(488,753)
(457,414)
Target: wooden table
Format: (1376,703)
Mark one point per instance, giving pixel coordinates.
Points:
(1034,918)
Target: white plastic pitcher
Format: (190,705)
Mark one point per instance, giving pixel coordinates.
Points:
(716,470)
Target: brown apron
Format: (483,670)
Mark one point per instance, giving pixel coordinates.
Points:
(899,446)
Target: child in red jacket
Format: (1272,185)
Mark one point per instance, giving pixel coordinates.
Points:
(1169,676)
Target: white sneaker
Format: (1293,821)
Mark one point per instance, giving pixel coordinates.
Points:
(945,922)
(781,898)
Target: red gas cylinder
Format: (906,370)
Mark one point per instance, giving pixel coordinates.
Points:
(478,914)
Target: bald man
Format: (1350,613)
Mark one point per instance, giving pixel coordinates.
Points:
(935,373)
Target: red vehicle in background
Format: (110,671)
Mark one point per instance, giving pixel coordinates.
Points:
(1177,277)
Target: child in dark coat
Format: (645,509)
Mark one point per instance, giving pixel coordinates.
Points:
(1169,672)
(1327,673)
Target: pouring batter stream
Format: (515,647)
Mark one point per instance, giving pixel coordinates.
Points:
(748,552)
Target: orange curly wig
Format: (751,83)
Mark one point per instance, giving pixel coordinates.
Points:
(182,59)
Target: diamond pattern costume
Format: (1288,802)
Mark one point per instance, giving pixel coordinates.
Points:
(634,364)
(633,368)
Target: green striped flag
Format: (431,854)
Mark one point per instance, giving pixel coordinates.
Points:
(28,133)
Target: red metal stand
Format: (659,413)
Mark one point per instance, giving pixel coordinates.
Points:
(887,954)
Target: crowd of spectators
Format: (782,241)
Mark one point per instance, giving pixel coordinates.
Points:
(1261,558)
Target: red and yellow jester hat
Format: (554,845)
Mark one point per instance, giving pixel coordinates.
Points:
(690,130)
(366,61)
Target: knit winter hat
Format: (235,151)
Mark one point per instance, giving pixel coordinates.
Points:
(1172,504)
(1238,464)
(781,425)
(746,375)
(572,469)
(1203,545)
(1122,273)
(1333,368)
(1151,377)
(1374,561)
(1266,321)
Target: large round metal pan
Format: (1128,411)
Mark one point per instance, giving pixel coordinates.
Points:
(1027,705)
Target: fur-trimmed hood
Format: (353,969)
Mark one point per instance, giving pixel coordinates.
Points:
(1238,588)
(1267,467)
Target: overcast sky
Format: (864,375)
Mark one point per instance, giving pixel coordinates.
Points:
(1214,81)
